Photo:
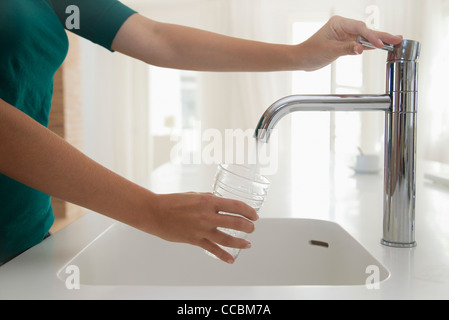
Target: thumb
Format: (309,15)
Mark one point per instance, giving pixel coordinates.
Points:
(352,48)
(349,48)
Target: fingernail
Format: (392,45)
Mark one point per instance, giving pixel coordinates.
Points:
(356,50)
(248,245)
(230,261)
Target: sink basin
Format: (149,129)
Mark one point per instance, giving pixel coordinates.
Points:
(285,252)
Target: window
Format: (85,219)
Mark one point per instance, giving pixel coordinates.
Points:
(322,138)
(332,136)
(347,126)
(189,99)
(173,115)
(173,100)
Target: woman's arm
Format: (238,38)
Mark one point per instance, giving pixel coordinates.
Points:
(180,47)
(36,157)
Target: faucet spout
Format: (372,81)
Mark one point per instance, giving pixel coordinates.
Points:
(296,103)
(400,107)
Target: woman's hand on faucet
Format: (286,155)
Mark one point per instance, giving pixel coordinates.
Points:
(180,47)
(338,38)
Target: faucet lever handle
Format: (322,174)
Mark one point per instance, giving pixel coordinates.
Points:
(366,43)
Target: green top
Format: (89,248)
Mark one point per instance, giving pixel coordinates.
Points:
(33,46)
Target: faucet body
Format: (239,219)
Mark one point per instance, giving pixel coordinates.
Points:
(400,107)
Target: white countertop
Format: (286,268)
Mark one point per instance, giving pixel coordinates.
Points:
(352,201)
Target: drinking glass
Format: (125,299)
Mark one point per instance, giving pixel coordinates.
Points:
(243,183)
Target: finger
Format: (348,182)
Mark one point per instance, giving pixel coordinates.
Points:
(229,241)
(379,39)
(376,38)
(388,38)
(216,251)
(235,223)
(353,27)
(236,207)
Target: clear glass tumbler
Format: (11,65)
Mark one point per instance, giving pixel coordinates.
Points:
(243,183)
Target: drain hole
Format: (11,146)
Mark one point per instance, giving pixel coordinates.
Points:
(319,243)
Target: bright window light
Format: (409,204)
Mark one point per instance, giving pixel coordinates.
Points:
(322,138)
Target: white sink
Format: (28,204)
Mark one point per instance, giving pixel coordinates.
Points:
(285,252)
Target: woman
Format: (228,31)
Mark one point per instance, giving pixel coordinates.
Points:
(35,163)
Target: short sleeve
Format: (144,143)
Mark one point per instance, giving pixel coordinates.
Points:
(100,20)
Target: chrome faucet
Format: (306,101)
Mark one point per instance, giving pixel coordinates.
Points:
(400,106)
